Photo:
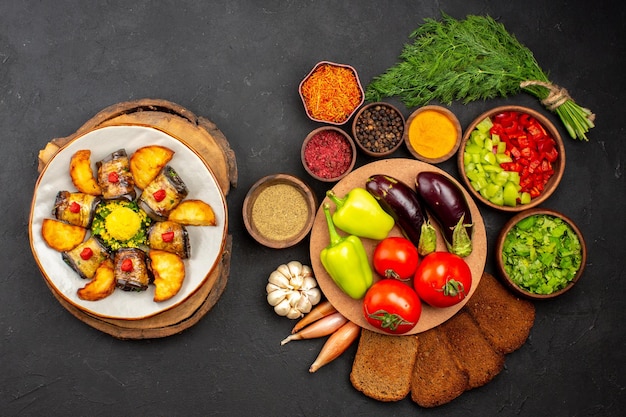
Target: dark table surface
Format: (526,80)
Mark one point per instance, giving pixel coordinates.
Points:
(238,63)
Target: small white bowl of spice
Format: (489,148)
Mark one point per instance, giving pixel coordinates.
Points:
(279,210)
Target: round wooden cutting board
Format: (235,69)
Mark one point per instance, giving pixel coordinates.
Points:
(208,141)
(404,170)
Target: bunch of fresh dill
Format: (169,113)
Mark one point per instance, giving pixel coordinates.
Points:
(471,59)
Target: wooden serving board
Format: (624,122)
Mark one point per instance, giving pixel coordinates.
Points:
(209,142)
(404,170)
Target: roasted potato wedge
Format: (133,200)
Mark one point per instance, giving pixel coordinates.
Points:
(169,273)
(62,236)
(193,213)
(82,174)
(102,285)
(147,162)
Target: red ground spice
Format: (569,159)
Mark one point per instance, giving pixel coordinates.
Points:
(328,154)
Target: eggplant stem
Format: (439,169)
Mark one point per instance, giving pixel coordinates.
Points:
(461,244)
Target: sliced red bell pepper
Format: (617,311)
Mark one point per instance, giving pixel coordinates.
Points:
(524,141)
(530,146)
(525,119)
(552,155)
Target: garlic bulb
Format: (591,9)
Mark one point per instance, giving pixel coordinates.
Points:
(292,290)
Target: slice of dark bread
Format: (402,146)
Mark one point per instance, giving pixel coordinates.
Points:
(436,378)
(383,365)
(438,365)
(504,319)
(471,350)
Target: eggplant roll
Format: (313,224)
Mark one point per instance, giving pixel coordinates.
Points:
(114,176)
(86,257)
(75,208)
(131,270)
(170,237)
(163,194)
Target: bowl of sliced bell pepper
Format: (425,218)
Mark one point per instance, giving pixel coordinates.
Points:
(511,158)
(540,254)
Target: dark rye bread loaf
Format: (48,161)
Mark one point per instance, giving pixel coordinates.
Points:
(436,378)
(471,351)
(504,319)
(383,365)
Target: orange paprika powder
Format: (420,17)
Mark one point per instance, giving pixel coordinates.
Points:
(331,93)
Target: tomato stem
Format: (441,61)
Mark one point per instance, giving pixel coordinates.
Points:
(388,320)
(453,288)
(390,273)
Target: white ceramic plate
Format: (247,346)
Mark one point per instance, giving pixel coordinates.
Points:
(206,241)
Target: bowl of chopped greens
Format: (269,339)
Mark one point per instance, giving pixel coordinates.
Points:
(540,253)
(511,158)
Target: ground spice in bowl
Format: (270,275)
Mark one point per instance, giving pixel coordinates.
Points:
(279,210)
(328,154)
(331,92)
(433,134)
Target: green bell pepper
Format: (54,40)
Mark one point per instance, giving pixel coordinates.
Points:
(358,213)
(345,261)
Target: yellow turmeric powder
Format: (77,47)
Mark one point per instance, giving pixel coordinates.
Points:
(432,134)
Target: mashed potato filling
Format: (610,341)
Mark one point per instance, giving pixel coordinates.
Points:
(122,223)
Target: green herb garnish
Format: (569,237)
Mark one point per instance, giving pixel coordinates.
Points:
(542,254)
(473,59)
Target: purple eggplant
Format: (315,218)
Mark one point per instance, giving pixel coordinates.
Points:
(75,208)
(137,275)
(447,204)
(402,203)
(175,189)
(114,176)
(179,242)
(86,268)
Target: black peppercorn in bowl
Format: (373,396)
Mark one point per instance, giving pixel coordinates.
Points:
(378,129)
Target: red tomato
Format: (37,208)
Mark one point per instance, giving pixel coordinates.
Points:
(127,265)
(159,195)
(395,257)
(442,279)
(86,254)
(74,207)
(392,306)
(113,177)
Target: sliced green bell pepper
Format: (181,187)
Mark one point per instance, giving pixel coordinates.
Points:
(346,261)
(358,213)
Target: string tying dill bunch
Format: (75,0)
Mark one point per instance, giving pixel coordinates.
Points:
(473,59)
